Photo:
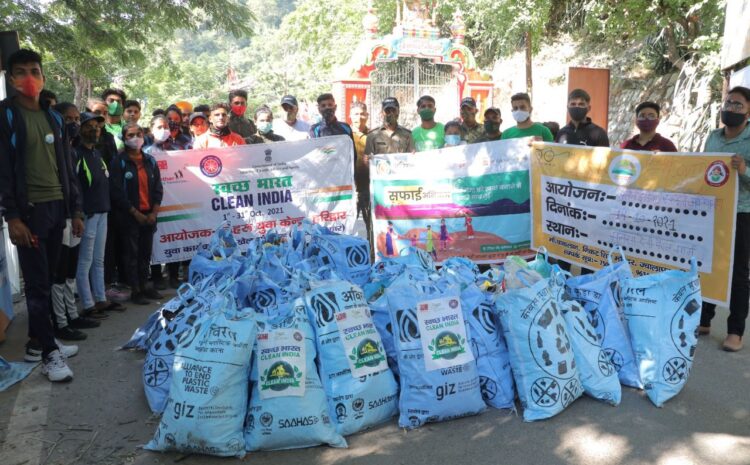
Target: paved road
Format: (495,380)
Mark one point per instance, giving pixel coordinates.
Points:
(102,418)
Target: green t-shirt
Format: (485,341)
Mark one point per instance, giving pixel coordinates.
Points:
(116,131)
(428,139)
(42,177)
(535,129)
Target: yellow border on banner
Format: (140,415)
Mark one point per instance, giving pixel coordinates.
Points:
(666,172)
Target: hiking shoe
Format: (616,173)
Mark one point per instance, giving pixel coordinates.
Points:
(34,351)
(70,334)
(139,299)
(84,323)
(152,294)
(56,368)
(94,313)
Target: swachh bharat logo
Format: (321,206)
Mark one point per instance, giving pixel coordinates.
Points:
(366,354)
(624,170)
(447,345)
(280,376)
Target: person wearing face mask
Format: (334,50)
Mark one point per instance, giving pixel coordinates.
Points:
(329,125)
(391,137)
(136,193)
(429,135)
(734,138)
(38,191)
(453,134)
(647,119)
(291,127)
(177,139)
(521,110)
(219,134)
(471,130)
(580,130)
(237,121)
(115,101)
(264,123)
(492,122)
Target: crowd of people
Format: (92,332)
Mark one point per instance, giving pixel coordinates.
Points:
(81,190)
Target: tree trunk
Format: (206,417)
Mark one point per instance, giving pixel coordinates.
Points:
(673,52)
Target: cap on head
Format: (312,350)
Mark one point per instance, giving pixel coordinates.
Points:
(88,116)
(195,116)
(495,110)
(289,100)
(390,102)
(468,102)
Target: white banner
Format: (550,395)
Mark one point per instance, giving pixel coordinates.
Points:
(256,188)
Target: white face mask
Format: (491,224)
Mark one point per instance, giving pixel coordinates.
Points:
(520,116)
(135,143)
(160,135)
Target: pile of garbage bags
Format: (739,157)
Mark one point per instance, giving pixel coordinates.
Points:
(299,341)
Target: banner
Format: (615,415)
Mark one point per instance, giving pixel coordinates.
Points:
(470,201)
(661,208)
(256,188)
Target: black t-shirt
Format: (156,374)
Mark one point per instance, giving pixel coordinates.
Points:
(587,133)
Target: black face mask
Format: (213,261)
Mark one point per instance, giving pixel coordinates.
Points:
(732,119)
(391,119)
(73,129)
(220,132)
(328,114)
(577,113)
(174,126)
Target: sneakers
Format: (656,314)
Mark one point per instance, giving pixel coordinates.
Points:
(34,351)
(70,334)
(56,368)
(115,294)
(139,299)
(84,323)
(152,294)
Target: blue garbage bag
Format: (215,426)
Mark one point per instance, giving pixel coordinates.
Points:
(461,270)
(600,295)
(541,354)
(288,407)
(207,401)
(257,290)
(438,374)
(598,374)
(359,385)
(663,313)
(490,350)
(348,256)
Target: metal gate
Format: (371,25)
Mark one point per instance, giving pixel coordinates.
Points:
(407,79)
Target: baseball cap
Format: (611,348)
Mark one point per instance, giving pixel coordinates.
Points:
(390,102)
(468,101)
(492,110)
(196,115)
(289,100)
(88,116)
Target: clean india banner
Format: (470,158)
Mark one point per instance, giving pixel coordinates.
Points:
(661,208)
(256,188)
(469,201)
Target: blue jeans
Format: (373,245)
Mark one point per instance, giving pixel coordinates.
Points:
(91,260)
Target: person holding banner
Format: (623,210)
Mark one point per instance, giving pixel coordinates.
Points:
(521,111)
(291,127)
(264,123)
(647,119)
(219,134)
(238,124)
(580,130)
(734,137)
(429,135)
(471,130)
(492,122)
(329,125)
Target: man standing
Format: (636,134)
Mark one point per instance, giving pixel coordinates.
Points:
(219,134)
(38,191)
(429,135)
(358,116)
(471,130)
(580,130)
(115,101)
(291,127)
(329,125)
(492,122)
(647,119)
(237,121)
(264,123)
(521,105)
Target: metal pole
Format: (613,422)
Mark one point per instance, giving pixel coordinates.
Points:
(416,81)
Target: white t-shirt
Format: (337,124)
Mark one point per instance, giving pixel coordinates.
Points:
(298,131)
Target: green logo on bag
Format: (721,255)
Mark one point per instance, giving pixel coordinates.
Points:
(279,376)
(447,345)
(366,354)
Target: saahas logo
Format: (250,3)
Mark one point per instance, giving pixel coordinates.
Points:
(210,166)
(447,345)
(624,170)
(357,256)
(368,353)
(325,306)
(280,376)
(408,329)
(717,174)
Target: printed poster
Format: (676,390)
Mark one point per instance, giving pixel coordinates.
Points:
(662,208)
(470,201)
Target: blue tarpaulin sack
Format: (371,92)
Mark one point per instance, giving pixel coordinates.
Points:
(348,256)
(216,257)
(541,354)
(288,407)
(259,291)
(598,375)
(461,270)
(600,295)
(208,396)
(663,312)
(493,362)
(360,387)
(438,374)
(145,334)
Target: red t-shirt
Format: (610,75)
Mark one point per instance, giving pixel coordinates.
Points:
(658,144)
(144,203)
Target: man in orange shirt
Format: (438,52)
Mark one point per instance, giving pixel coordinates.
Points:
(219,135)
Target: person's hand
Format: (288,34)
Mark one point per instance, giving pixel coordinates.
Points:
(77,225)
(140,218)
(151,218)
(738,163)
(366,159)
(20,235)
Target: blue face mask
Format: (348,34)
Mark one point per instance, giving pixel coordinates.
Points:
(452,139)
(265,128)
